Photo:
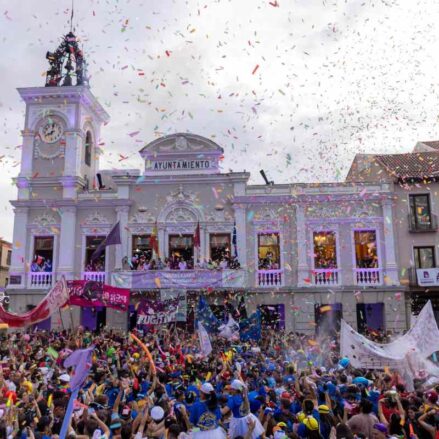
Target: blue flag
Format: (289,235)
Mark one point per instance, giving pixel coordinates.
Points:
(206,317)
(251,329)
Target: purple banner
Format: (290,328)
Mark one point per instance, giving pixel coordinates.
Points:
(91,293)
(185,279)
(159,312)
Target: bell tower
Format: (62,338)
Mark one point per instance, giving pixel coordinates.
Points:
(62,125)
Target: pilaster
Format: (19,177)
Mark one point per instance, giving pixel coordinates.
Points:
(389,244)
(302,265)
(122,249)
(67,242)
(19,245)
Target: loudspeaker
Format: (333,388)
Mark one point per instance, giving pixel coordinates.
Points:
(99,177)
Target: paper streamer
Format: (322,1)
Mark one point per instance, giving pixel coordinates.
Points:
(146,350)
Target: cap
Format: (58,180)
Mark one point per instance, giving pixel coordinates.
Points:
(311,423)
(237,385)
(207,388)
(65,377)
(323,409)
(157,413)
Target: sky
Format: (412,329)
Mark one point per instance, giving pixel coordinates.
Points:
(294,87)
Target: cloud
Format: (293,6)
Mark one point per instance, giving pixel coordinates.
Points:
(334,78)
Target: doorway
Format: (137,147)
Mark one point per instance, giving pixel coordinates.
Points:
(370,317)
(328,318)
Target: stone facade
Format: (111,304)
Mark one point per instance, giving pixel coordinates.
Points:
(60,207)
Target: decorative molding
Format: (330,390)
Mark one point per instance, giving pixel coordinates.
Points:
(180,195)
(44,220)
(96,218)
(181,214)
(144,217)
(140,229)
(358,210)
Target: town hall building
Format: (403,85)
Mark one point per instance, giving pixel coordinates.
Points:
(288,249)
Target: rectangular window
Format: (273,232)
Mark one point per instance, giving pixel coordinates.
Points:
(325,250)
(366,252)
(420,214)
(91,244)
(43,253)
(142,245)
(268,251)
(424,257)
(219,244)
(8,258)
(181,250)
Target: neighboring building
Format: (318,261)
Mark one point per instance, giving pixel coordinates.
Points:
(300,247)
(5,262)
(414,180)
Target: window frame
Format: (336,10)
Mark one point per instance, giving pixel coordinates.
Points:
(414,215)
(212,234)
(269,232)
(378,246)
(85,263)
(337,259)
(416,255)
(88,148)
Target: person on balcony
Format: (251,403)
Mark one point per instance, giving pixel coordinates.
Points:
(153,265)
(47,267)
(182,265)
(35,267)
(160,264)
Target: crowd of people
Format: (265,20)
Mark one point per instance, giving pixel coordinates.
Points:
(141,261)
(283,386)
(41,264)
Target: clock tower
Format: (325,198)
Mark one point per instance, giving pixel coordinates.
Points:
(62,127)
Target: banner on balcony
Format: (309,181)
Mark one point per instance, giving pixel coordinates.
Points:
(160,312)
(91,293)
(57,297)
(428,277)
(180,279)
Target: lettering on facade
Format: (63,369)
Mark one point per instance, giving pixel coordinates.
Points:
(170,165)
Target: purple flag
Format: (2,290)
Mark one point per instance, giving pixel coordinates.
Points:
(112,238)
(81,361)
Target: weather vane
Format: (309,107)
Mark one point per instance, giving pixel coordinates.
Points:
(66,62)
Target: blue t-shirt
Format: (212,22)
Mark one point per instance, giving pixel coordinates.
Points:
(236,404)
(203,418)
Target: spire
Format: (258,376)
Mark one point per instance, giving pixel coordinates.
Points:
(67,64)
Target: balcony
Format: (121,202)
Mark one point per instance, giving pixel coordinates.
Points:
(190,279)
(325,277)
(40,280)
(419,225)
(269,278)
(95,276)
(367,276)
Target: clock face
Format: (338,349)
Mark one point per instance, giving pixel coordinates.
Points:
(51,131)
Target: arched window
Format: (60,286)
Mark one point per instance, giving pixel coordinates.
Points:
(88,148)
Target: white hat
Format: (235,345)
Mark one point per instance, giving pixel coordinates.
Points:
(157,413)
(207,388)
(65,377)
(237,385)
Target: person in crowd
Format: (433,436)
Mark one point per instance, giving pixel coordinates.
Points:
(282,386)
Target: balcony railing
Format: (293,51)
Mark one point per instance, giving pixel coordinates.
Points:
(270,278)
(419,225)
(40,280)
(367,276)
(96,276)
(325,277)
